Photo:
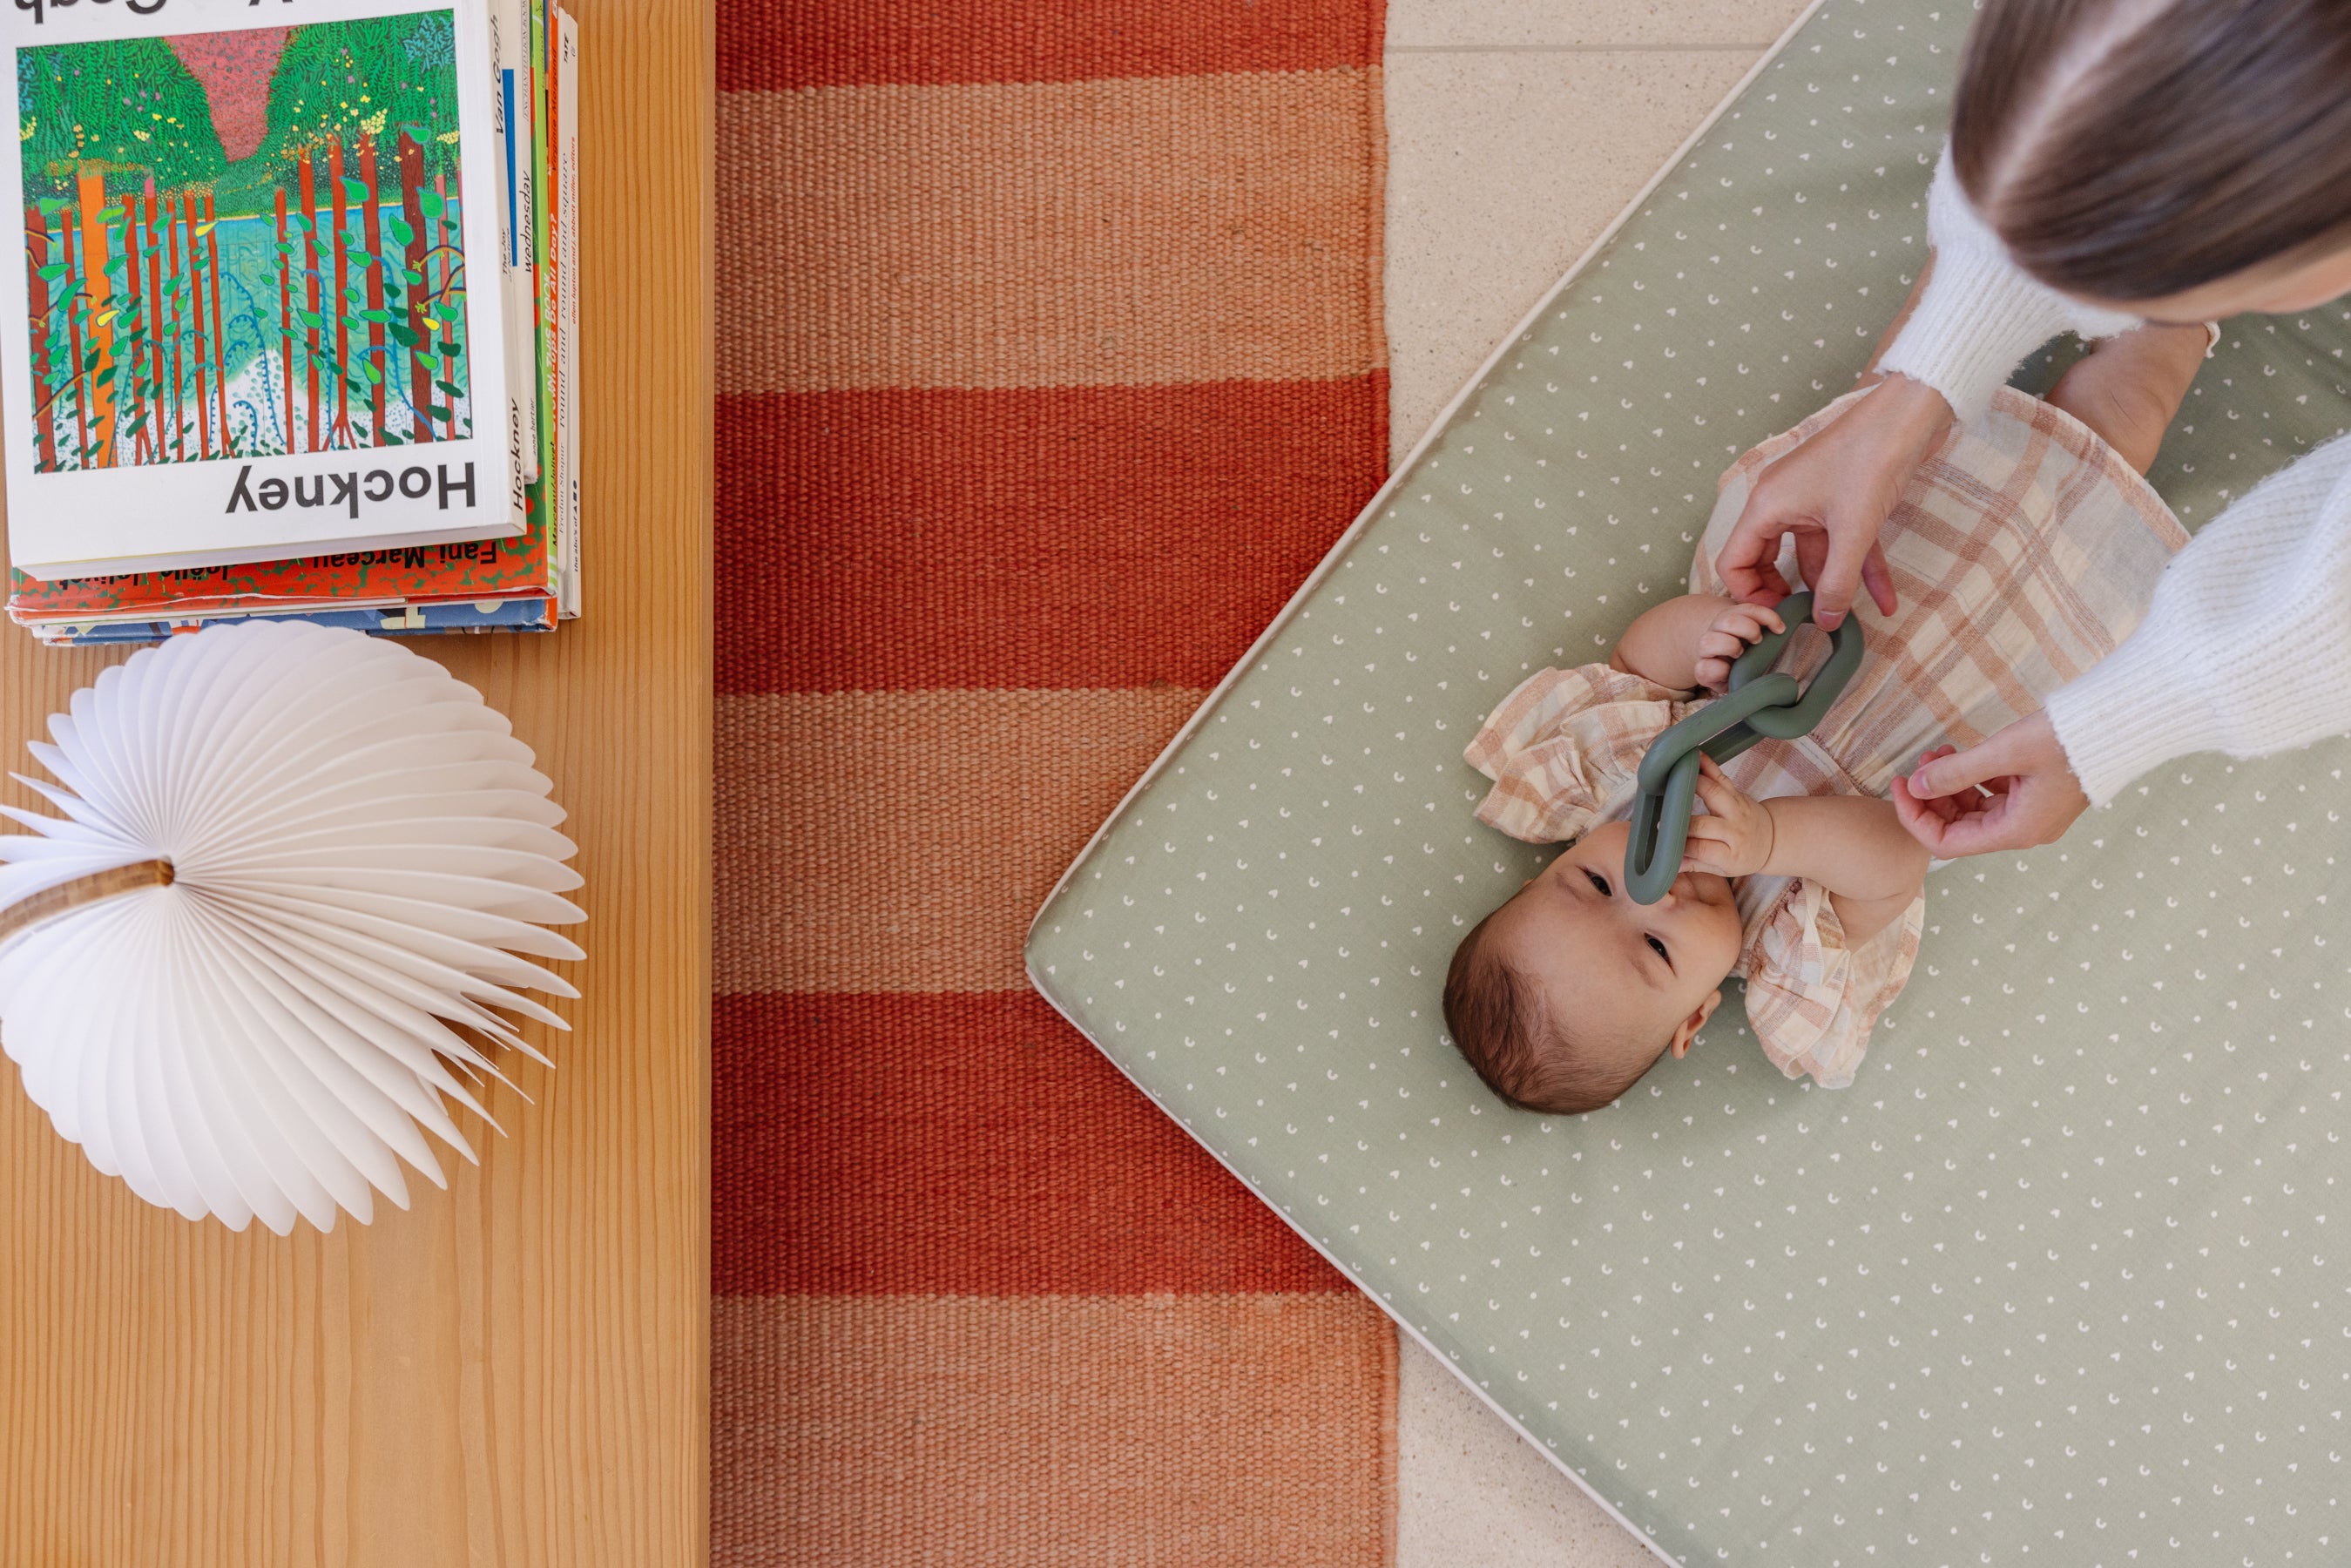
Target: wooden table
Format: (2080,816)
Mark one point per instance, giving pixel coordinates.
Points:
(514,1370)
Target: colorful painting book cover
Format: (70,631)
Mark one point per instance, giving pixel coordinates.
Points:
(245,329)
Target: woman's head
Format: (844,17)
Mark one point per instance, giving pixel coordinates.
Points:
(2188,159)
(1566,995)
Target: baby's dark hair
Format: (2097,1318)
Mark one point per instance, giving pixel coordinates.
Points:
(1501,1024)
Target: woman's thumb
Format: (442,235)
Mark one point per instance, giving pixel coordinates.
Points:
(1961,770)
(1849,556)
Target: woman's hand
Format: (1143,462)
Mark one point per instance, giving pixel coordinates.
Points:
(1833,493)
(2028,794)
(1734,836)
(1734,631)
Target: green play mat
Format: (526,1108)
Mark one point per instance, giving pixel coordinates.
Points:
(2057,1279)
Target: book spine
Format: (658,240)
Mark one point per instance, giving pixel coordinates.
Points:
(526,613)
(541,317)
(517,258)
(546,492)
(567,315)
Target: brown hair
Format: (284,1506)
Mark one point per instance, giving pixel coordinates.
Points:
(1499,1024)
(2125,149)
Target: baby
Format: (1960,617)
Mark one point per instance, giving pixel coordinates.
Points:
(2026,549)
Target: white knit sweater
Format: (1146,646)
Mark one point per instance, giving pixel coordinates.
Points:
(2246,646)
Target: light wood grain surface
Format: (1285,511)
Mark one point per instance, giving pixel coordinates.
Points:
(514,1370)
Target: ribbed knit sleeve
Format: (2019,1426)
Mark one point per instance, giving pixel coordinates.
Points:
(1980,315)
(2246,648)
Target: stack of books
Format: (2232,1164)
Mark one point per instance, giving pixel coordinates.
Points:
(253,375)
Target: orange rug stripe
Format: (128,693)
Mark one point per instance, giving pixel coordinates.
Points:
(1051,357)
(792,43)
(969,1145)
(818,796)
(963,1144)
(878,1431)
(1074,536)
(1072,234)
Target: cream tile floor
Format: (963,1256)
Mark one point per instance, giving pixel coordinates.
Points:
(1517,129)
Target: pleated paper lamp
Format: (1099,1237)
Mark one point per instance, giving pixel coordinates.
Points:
(294,901)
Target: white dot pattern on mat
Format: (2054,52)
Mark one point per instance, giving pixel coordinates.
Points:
(2054,1281)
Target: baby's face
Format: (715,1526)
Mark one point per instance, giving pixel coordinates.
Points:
(1642,975)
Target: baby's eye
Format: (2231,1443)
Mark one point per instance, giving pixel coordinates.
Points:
(1657,947)
(1597,880)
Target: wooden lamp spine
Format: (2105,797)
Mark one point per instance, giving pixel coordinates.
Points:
(67,896)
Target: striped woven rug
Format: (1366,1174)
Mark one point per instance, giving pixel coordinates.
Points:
(1049,361)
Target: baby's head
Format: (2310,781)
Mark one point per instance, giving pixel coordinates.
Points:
(1566,995)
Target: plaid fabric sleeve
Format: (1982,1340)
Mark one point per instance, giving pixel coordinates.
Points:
(1812,999)
(1563,749)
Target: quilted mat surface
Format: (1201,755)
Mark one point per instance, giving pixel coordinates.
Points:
(2058,1277)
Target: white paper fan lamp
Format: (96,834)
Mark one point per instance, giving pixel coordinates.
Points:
(301,877)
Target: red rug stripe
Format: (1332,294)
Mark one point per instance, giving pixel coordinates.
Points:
(971,1144)
(1045,538)
(780,44)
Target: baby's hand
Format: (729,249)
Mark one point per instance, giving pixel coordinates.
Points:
(1734,631)
(1734,837)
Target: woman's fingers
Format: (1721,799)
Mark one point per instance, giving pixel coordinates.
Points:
(1878,578)
(1955,770)
(1850,551)
(1920,820)
(2013,790)
(2025,749)
(1973,827)
(1833,493)
(1813,551)
(1926,821)
(1946,808)
(1748,563)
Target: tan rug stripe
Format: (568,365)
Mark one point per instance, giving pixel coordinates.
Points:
(889,1431)
(899,841)
(1137,232)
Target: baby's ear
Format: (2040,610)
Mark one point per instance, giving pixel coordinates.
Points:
(1690,1026)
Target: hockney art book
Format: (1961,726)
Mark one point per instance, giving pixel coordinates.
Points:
(524,582)
(243,325)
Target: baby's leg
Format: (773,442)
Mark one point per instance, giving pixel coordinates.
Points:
(2128,388)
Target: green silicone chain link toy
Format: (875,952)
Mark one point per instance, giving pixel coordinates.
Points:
(1760,704)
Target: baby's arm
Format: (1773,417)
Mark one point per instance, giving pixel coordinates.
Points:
(1691,640)
(1857,848)
(1854,846)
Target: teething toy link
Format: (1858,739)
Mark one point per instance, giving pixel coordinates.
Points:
(1760,704)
